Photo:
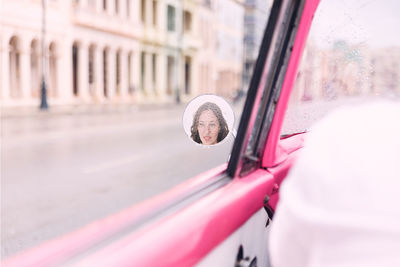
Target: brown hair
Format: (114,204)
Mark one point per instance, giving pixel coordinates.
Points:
(223,131)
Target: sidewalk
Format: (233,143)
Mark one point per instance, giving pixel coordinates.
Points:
(93,109)
(85,109)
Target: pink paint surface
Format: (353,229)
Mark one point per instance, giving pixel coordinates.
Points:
(279,173)
(288,145)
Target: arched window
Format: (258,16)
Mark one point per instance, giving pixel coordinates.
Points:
(75,70)
(155,13)
(131,87)
(142,71)
(105,72)
(35,69)
(53,69)
(92,72)
(154,72)
(188,74)
(170,74)
(15,72)
(128,8)
(118,72)
(143,11)
(187,21)
(117,7)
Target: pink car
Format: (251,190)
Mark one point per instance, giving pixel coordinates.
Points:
(221,217)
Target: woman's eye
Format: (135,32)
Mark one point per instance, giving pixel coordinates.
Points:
(201,125)
(212,125)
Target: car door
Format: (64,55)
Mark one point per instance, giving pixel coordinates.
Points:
(221,217)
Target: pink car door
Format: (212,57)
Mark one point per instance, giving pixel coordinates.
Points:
(221,217)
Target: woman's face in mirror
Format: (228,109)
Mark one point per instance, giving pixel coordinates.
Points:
(208,128)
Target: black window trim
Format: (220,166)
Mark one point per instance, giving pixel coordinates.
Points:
(242,161)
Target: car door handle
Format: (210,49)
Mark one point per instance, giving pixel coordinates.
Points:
(268,209)
(246,262)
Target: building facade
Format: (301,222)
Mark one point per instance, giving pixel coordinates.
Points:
(346,70)
(229,46)
(119,51)
(255,20)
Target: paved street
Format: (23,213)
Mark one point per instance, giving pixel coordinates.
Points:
(62,171)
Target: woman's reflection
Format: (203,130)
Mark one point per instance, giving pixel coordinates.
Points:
(209,126)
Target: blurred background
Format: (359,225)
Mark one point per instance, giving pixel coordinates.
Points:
(125,51)
(93,92)
(351,57)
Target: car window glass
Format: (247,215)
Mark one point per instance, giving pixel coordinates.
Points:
(352,56)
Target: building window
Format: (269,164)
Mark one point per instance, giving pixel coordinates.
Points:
(116,6)
(105,73)
(171,18)
(90,65)
(143,10)
(142,72)
(154,71)
(52,70)
(187,75)
(118,72)
(207,3)
(128,8)
(131,88)
(91,69)
(170,74)
(35,69)
(187,21)
(154,13)
(75,53)
(14,57)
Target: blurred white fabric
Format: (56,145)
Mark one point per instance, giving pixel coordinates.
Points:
(340,204)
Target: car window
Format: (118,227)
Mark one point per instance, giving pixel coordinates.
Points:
(117,84)
(265,87)
(351,57)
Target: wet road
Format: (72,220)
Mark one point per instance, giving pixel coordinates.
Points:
(60,172)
